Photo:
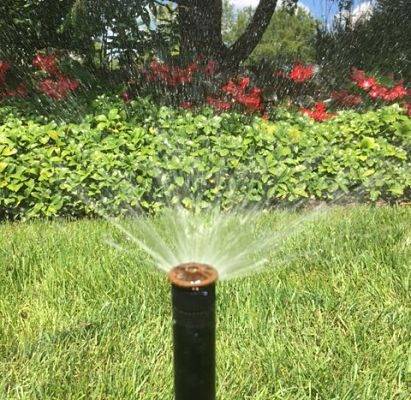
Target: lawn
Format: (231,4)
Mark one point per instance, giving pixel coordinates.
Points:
(326,320)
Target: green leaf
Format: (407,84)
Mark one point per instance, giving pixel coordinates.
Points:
(397,190)
(100,118)
(9,151)
(54,135)
(3,166)
(14,187)
(179,181)
(113,114)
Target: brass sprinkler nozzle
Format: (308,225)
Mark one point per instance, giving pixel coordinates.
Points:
(193,275)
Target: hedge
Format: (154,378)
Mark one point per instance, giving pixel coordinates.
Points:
(138,156)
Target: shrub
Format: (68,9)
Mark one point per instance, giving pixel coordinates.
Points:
(247,92)
(141,156)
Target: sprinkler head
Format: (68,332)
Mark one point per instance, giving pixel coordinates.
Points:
(193,275)
(193,298)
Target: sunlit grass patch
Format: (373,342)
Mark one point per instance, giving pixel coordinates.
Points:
(327,319)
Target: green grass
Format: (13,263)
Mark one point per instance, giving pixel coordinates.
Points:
(327,320)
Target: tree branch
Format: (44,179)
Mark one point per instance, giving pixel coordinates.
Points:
(247,42)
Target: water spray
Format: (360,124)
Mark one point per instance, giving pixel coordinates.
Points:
(193,299)
(229,245)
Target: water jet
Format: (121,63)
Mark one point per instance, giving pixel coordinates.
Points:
(193,301)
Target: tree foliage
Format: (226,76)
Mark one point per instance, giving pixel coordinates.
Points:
(379,42)
(26,25)
(97,30)
(100,31)
(124,29)
(290,36)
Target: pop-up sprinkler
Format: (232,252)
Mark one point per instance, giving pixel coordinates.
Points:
(193,298)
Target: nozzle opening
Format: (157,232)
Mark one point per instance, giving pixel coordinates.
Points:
(193,275)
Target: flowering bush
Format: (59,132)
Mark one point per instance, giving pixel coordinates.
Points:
(46,63)
(4,67)
(202,82)
(198,83)
(58,89)
(318,113)
(217,104)
(47,78)
(56,85)
(377,91)
(301,73)
(5,91)
(346,99)
(299,87)
(170,75)
(250,98)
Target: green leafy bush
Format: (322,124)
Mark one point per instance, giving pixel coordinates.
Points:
(141,156)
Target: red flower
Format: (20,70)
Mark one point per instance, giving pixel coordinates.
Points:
(159,67)
(186,105)
(231,88)
(255,91)
(253,103)
(180,76)
(319,113)
(211,67)
(159,71)
(51,89)
(362,80)
(301,73)
(244,83)
(218,104)
(171,76)
(378,92)
(126,96)
(367,83)
(184,75)
(251,100)
(320,107)
(346,99)
(357,75)
(46,63)
(58,89)
(235,89)
(68,84)
(4,67)
(396,93)
(192,68)
(20,91)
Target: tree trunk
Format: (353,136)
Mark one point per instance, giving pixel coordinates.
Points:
(200,28)
(200,31)
(248,41)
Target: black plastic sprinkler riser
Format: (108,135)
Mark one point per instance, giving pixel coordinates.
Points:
(193,298)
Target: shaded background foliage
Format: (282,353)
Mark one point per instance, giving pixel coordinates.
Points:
(97,31)
(290,36)
(380,42)
(108,34)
